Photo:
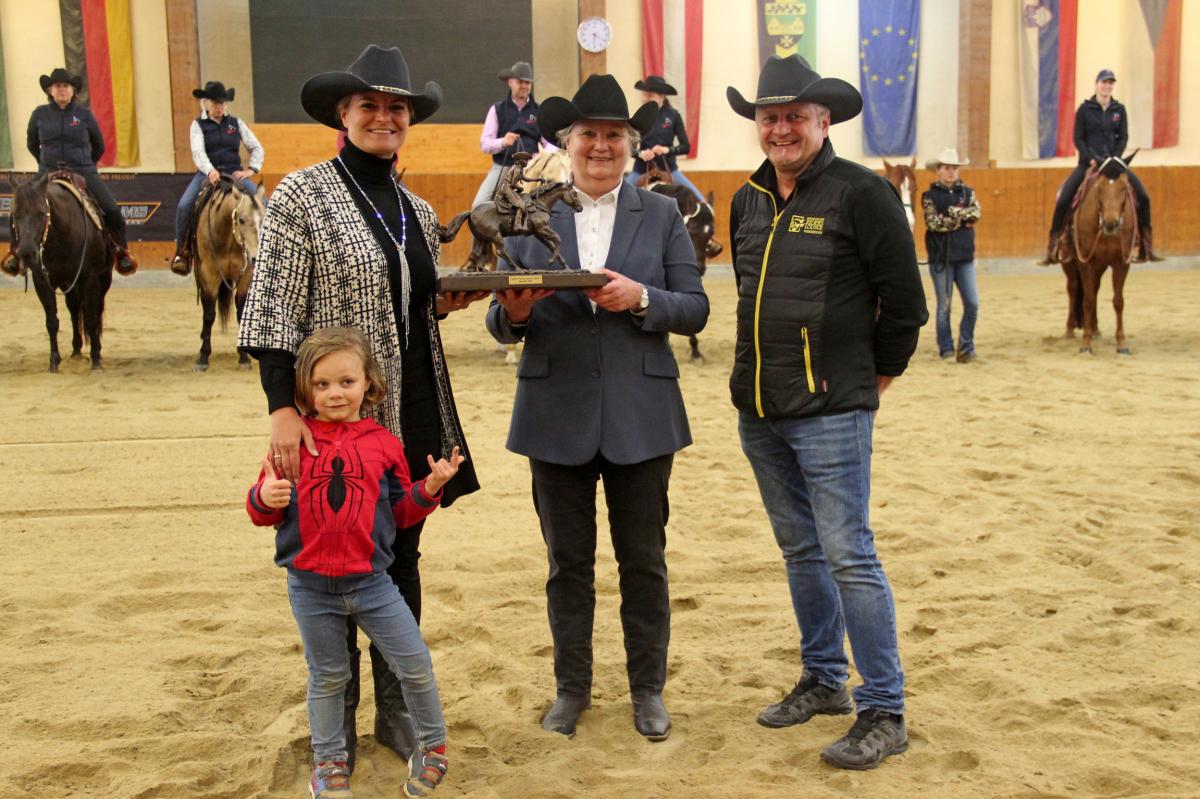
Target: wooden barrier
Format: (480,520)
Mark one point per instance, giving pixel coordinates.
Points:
(444,165)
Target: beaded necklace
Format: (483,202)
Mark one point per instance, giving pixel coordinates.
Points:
(405,283)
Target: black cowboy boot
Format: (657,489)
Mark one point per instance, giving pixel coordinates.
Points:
(1051,250)
(1147,248)
(181,264)
(125,263)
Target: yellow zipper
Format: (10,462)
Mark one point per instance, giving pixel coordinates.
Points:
(812,385)
(762,279)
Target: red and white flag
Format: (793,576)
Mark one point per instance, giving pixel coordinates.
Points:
(1151,79)
(673,46)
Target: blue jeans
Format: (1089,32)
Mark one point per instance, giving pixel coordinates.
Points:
(184,210)
(814,475)
(676,176)
(380,612)
(944,278)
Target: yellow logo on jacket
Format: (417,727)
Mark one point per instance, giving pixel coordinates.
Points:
(807,224)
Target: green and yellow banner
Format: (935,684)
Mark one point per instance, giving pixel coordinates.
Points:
(785,29)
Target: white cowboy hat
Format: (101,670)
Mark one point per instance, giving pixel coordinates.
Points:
(949,157)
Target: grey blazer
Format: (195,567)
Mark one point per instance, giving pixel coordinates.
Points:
(602,382)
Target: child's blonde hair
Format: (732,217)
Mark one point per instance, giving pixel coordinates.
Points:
(327,341)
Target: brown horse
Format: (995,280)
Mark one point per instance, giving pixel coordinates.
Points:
(489,227)
(1103,232)
(63,247)
(904,178)
(226,245)
(699,220)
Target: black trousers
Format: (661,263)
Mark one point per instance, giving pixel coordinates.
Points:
(112,212)
(1071,185)
(565,500)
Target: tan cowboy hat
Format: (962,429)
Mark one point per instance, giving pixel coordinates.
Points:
(948,157)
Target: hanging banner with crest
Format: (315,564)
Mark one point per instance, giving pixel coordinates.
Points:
(785,29)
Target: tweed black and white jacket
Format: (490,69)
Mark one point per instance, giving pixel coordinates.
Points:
(319,265)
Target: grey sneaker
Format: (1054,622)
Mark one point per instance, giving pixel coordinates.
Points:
(426,770)
(806,700)
(874,736)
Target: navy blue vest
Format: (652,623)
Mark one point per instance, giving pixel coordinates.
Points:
(222,143)
(523,121)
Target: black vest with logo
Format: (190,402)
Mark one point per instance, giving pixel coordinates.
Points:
(522,120)
(222,143)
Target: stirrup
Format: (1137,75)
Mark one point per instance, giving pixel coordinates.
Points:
(181,265)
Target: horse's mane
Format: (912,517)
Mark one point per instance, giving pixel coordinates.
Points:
(682,196)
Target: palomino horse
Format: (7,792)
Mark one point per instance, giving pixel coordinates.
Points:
(227,226)
(904,178)
(698,219)
(1103,231)
(489,227)
(61,242)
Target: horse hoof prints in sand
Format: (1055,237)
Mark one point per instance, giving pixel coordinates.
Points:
(60,241)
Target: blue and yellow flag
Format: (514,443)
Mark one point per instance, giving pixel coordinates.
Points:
(888,43)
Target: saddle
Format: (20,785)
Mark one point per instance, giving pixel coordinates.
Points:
(655,175)
(74,183)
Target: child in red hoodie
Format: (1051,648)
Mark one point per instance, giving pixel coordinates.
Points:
(334,534)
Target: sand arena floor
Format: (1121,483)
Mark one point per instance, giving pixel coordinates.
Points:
(1036,512)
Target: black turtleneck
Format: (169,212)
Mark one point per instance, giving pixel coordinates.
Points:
(374,176)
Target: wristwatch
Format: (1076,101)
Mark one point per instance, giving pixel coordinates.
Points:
(644,300)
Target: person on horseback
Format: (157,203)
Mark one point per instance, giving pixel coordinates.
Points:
(1101,131)
(63,134)
(216,139)
(510,127)
(658,146)
(510,199)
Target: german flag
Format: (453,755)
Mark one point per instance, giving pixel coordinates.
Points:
(98,42)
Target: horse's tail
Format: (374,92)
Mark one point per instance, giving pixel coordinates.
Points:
(452,229)
(224,304)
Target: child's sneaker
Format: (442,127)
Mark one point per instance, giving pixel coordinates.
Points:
(426,770)
(330,780)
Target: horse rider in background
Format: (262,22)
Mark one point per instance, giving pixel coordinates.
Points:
(510,127)
(216,139)
(1101,131)
(658,146)
(63,134)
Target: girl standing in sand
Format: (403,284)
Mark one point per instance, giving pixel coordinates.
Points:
(335,530)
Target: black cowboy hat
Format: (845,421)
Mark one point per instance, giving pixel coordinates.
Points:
(375,69)
(214,90)
(792,80)
(520,70)
(656,84)
(600,97)
(60,75)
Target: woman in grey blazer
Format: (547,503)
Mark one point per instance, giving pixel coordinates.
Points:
(598,396)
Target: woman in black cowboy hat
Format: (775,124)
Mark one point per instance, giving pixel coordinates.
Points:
(598,396)
(64,134)
(659,144)
(344,243)
(216,139)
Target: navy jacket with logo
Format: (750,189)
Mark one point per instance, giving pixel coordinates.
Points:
(950,217)
(829,295)
(222,143)
(667,128)
(1100,132)
(69,136)
(523,120)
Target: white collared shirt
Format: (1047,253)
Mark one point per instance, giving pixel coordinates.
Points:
(594,229)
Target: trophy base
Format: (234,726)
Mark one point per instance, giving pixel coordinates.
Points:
(558,279)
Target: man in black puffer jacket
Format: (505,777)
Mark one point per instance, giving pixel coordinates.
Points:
(829,307)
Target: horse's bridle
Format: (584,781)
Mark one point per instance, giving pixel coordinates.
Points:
(237,239)
(46,237)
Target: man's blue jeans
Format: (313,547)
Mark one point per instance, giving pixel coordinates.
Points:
(184,209)
(381,613)
(814,475)
(945,277)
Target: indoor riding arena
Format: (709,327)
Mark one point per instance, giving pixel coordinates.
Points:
(1035,490)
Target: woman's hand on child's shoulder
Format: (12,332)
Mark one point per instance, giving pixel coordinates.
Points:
(274,492)
(441,471)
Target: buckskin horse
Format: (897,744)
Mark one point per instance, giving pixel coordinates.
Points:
(61,242)
(226,244)
(698,219)
(904,178)
(1102,233)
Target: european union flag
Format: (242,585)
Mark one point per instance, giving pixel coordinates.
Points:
(889,39)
